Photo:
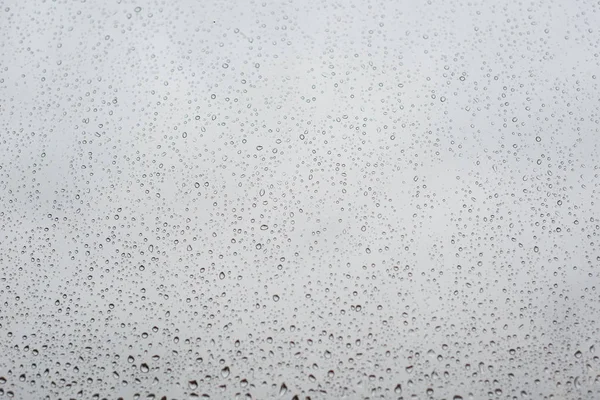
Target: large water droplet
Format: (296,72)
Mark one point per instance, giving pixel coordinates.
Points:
(283,389)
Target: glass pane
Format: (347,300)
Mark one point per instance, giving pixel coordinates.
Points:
(299,200)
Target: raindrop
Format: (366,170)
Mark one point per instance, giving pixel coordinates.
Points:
(225,372)
(282,390)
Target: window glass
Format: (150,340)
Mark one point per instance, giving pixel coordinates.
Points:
(299,199)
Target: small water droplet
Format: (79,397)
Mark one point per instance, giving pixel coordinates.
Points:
(225,372)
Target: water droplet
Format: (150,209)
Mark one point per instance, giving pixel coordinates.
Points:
(225,372)
(283,390)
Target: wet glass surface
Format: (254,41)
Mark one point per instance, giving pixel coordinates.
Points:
(299,200)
